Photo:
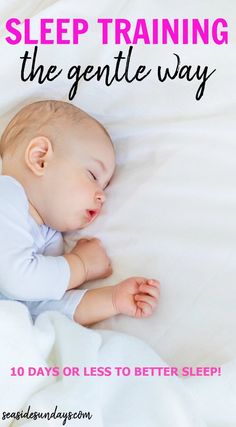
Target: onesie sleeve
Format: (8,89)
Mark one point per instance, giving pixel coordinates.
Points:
(24,274)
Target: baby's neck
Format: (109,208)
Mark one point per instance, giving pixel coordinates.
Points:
(34,213)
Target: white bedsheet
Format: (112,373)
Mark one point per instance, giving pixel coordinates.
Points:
(112,401)
(171,206)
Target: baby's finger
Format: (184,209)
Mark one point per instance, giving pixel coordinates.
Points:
(149,289)
(138,313)
(147,299)
(153,282)
(109,270)
(146,308)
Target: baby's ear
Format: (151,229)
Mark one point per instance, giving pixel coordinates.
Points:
(37,154)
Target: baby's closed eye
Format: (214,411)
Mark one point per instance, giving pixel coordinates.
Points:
(94,176)
(97,178)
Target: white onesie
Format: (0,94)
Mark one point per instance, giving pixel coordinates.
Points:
(32,269)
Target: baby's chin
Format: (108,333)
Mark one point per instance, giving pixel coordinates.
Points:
(66,227)
(79,222)
(78,225)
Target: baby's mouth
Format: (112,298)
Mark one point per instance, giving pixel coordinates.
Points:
(91,214)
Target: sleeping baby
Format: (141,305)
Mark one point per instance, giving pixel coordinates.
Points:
(56,164)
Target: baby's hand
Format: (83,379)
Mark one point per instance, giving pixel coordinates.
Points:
(136,296)
(94,258)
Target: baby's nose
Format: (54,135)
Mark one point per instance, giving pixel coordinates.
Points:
(100,196)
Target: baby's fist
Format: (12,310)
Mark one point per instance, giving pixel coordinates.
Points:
(94,257)
(136,296)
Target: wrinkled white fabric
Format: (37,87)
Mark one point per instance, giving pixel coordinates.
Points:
(55,341)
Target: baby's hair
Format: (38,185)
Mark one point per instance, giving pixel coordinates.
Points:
(42,118)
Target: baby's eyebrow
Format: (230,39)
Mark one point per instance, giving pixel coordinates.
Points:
(100,163)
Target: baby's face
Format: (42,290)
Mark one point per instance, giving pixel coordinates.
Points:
(75,180)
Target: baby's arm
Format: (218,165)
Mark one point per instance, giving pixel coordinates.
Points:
(136,297)
(88,261)
(27,275)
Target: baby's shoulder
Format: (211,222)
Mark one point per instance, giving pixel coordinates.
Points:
(12,194)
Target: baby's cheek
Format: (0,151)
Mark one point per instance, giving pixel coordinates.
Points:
(86,191)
